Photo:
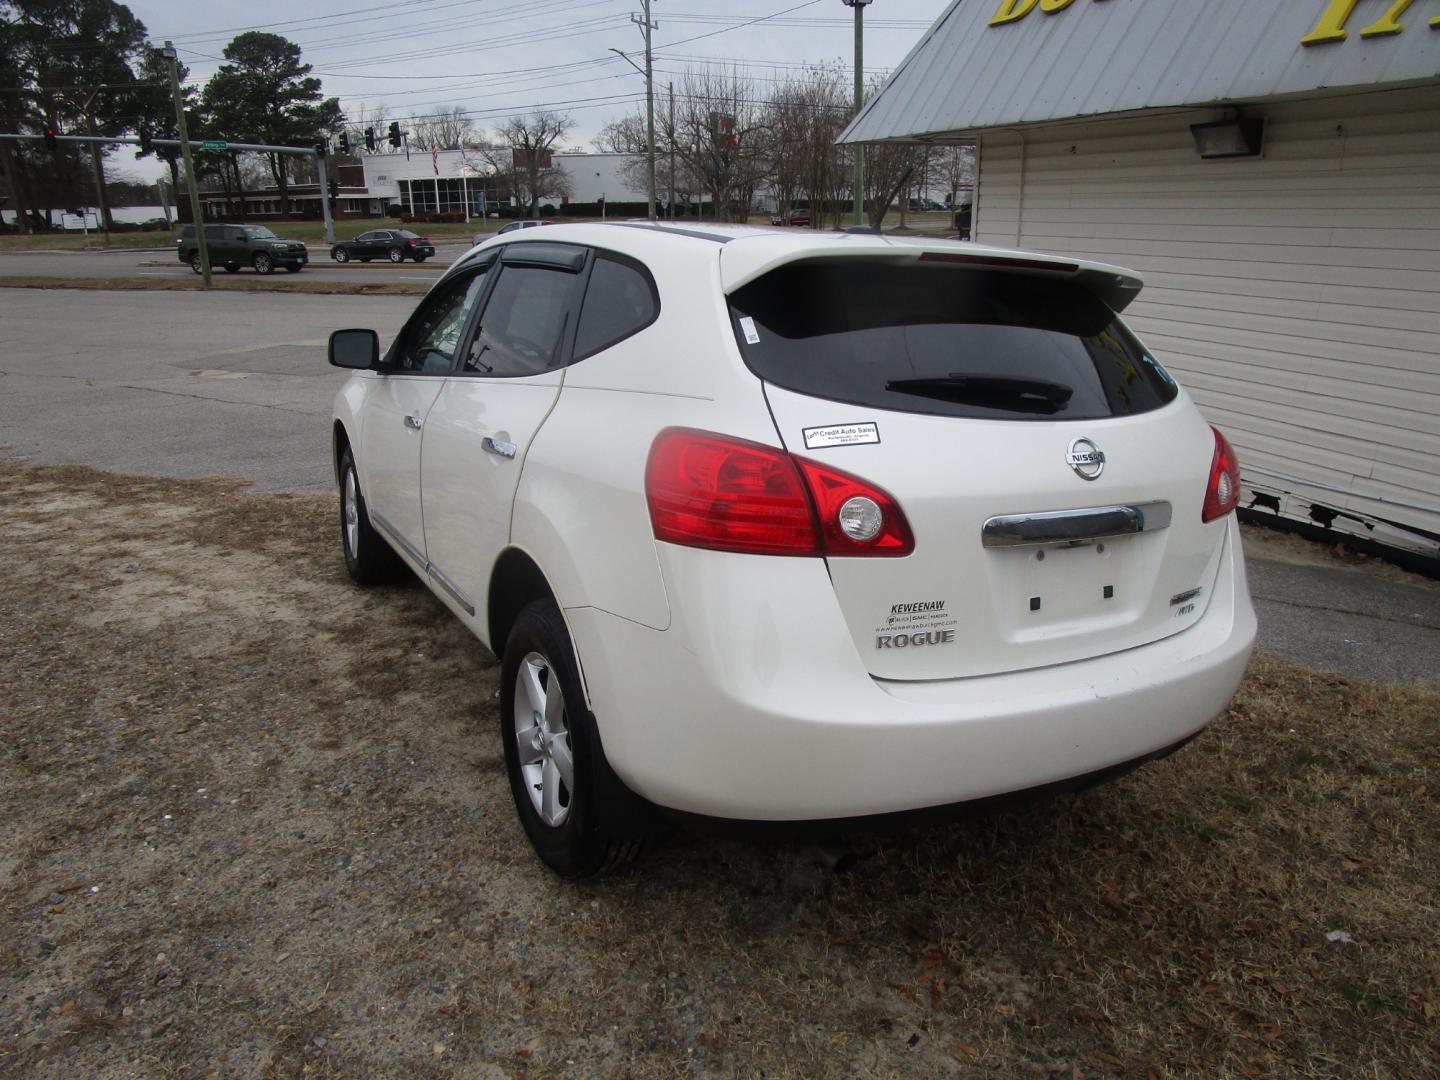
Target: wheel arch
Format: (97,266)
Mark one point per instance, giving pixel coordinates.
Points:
(515,581)
(339,443)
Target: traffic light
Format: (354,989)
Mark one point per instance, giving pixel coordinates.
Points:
(394,133)
(370,138)
(147,144)
(52,140)
(344,142)
(321,149)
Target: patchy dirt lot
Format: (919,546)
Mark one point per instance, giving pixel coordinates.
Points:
(254,822)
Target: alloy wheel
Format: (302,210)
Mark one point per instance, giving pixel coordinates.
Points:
(542,740)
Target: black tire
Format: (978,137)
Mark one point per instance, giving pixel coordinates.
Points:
(263,263)
(368,558)
(195,263)
(232,268)
(340,255)
(397,255)
(294,269)
(421,258)
(605,826)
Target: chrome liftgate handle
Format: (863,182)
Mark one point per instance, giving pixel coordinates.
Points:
(1074,526)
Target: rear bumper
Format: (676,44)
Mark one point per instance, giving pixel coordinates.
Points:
(754,704)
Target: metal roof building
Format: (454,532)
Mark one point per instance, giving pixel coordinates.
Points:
(1063,60)
(1290,244)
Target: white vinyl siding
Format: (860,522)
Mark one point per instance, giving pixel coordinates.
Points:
(1296,295)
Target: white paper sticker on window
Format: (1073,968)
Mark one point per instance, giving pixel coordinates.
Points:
(747,324)
(841,435)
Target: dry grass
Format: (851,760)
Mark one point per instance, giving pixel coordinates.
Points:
(229,284)
(254,822)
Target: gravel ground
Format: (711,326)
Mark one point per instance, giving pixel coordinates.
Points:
(255,822)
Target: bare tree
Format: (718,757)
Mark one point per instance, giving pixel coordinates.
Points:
(805,116)
(627,136)
(955,165)
(448,130)
(522,160)
(889,170)
(722,137)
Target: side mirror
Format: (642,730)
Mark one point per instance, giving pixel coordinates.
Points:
(359,349)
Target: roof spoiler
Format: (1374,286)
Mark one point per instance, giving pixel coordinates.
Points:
(752,258)
(1116,288)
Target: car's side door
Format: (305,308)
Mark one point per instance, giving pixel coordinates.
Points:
(397,405)
(375,247)
(487,414)
(360,245)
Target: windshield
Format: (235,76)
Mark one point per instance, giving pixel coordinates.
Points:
(259,232)
(945,340)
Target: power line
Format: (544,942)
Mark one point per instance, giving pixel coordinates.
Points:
(211,35)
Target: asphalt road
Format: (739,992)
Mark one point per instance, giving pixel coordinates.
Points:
(178,383)
(193,384)
(164,263)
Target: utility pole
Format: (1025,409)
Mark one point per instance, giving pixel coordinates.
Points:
(649,111)
(195,214)
(859,182)
(671,202)
(96,161)
(643,21)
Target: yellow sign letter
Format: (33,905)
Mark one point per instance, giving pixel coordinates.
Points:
(1389,23)
(1049,7)
(1331,26)
(1010,10)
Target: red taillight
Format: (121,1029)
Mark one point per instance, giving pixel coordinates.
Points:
(855,518)
(1222,494)
(410,241)
(712,491)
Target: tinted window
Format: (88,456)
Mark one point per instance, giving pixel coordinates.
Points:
(523,323)
(365,238)
(947,340)
(430,340)
(619,301)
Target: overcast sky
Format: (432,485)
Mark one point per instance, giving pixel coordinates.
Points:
(496,58)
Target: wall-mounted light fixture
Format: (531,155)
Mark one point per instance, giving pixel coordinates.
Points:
(1236,137)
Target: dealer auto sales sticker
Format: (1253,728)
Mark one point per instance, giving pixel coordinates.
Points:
(841,435)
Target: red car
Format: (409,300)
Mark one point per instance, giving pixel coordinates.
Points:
(798,216)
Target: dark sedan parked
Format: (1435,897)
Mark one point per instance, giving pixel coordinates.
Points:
(394,244)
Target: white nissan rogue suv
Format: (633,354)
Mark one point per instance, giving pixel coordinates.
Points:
(785,526)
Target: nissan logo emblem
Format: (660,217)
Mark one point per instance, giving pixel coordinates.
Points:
(1086,459)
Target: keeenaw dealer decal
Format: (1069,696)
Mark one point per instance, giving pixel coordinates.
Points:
(841,435)
(916,623)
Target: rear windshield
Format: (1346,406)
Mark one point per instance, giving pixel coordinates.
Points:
(946,340)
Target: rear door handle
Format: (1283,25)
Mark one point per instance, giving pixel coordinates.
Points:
(498,446)
(412,422)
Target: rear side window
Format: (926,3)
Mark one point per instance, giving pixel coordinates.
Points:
(619,301)
(524,322)
(945,340)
